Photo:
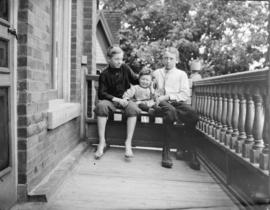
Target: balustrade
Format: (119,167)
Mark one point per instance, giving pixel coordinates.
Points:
(233,111)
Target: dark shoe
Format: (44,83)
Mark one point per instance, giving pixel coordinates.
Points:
(166,159)
(194,163)
(182,154)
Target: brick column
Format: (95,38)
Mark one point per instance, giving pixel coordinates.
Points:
(89,26)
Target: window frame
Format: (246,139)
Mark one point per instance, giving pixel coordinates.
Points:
(61,48)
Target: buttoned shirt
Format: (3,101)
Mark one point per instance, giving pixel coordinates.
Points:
(173,82)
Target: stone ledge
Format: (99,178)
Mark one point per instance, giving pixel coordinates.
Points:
(60,112)
(48,186)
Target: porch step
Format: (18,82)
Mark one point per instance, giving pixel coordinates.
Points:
(49,185)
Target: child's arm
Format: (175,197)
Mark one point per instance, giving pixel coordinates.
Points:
(129,94)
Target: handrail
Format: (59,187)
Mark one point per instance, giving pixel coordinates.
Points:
(234,111)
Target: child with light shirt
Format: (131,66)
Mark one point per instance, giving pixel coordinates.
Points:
(173,85)
(142,94)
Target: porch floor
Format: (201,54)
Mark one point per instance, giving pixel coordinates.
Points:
(114,183)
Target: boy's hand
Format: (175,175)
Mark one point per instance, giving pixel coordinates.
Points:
(162,98)
(123,102)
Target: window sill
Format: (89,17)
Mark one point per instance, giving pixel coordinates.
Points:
(60,112)
(4,172)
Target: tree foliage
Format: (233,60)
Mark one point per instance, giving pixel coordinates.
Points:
(227,35)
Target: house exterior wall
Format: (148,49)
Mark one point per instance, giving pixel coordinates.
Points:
(40,149)
(114,21)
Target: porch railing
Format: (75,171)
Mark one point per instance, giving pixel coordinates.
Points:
(234,114)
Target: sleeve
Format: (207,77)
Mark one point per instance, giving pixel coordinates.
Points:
(103,89)
(184,90)
(133,77)
(129,94)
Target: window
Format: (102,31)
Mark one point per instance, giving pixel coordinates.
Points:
(61,50)
(4,9)
(3,53)
(4,140)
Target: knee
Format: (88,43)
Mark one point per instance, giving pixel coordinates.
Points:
(169,112)
(102,108)
(132,109)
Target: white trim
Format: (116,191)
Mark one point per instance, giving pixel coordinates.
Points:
(8,185)
(62,11)
(66,49)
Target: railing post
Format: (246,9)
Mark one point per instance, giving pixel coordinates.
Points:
(257,128)
(207,110)
(242,120)
(235,118)
(264,156)
(249,124)
(198,105)
(219,113)
(229,119)
(215,113)
(211,111)
(224,115)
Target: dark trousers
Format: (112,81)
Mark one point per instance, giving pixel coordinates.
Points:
(180,111)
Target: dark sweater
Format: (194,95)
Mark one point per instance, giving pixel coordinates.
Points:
(113,82)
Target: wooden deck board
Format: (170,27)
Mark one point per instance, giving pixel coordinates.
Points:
(113,183)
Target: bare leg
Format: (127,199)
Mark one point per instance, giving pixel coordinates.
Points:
(131,123)
(101,122)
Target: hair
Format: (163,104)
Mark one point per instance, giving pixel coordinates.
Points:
(113,50)
(172,50)
(145,71)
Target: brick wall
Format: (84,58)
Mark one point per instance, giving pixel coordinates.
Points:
(76,50)
(33,68)
(40,149)
(89,26)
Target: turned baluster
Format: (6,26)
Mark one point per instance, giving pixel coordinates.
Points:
(224,116)
(219,114)
(195,103)
(215,112)
(242,120)
(257,128)
(211,113)
(249,124)
(235,118)
(229,119)
(199,108)
(208,107)
(264,157)
(202,111)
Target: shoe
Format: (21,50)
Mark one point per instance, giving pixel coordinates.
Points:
(100,151)
(182,154)
(194,163)
(166,159)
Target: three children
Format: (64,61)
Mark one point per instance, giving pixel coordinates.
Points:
(171,95)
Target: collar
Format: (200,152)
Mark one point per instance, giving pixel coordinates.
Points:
(114,70)
(168,71)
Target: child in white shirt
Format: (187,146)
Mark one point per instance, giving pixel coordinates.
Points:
(142,94)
